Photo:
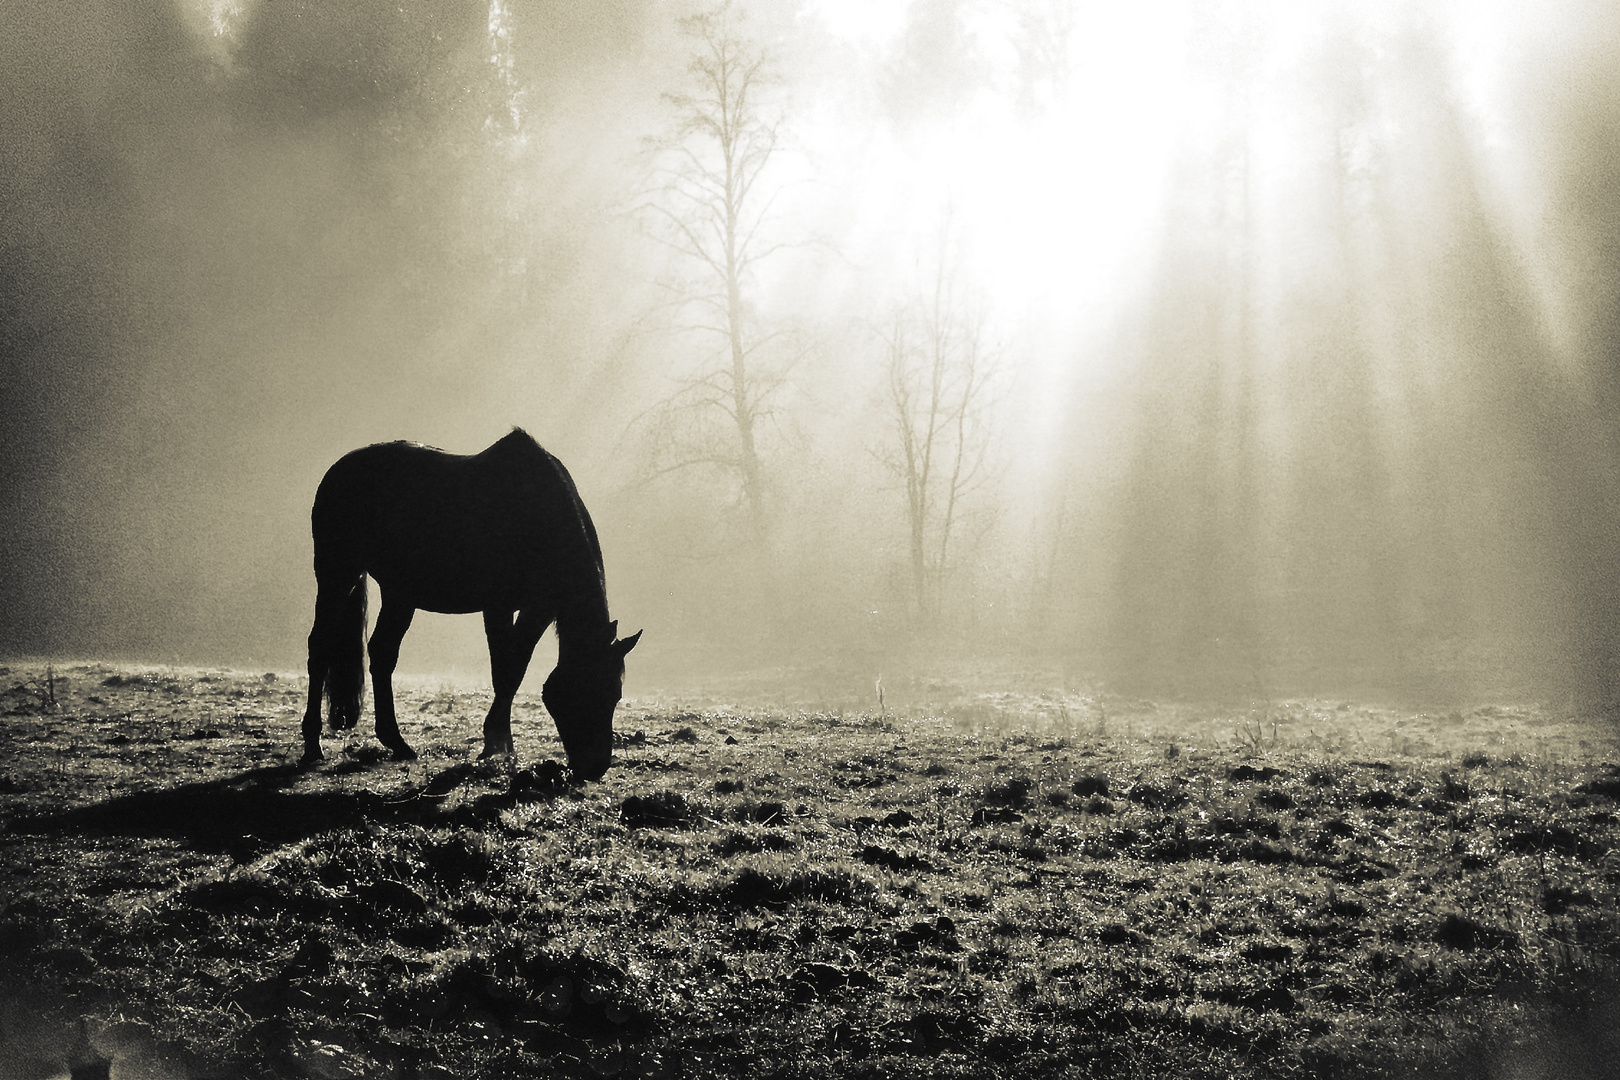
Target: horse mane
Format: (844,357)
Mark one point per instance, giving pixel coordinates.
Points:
(590,610)
(521,441)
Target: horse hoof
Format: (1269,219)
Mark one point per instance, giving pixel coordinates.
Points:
(402,749)
(494,751)
(311,758)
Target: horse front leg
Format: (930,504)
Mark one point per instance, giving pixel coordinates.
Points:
(392,622)
(511,644)
(499,633)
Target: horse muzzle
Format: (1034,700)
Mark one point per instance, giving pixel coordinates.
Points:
(589,767)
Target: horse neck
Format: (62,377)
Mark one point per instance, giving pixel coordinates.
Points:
(583,623)
(582,618)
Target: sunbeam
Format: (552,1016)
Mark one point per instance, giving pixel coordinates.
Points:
(1281,325)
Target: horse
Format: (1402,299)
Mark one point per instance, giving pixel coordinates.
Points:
(502,532)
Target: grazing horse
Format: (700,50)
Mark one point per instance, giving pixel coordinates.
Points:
(502,532)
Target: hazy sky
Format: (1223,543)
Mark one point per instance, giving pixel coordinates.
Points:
(1302,318)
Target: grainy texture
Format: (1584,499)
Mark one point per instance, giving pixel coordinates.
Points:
(1009,886)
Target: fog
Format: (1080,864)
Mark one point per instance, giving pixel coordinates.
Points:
(1239,348)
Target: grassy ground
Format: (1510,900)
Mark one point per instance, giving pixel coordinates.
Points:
(1001,885)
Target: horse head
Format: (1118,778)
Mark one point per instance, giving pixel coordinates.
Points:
(581,693)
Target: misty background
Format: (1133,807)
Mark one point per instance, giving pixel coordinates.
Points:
(1253,348)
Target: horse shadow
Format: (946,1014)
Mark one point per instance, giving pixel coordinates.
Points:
(250,812)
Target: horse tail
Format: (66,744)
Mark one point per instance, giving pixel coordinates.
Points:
(346,665)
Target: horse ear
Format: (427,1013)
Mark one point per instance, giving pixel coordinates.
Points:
(628,643)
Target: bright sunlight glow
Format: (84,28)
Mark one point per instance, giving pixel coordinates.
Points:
(1077,128)
(1047,198)
(1055,181)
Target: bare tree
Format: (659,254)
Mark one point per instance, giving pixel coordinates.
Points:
(710,207)
(1042,40)
(940,374)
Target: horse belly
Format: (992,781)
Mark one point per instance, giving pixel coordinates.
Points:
(459,571)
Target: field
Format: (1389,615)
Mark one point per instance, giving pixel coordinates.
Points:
(1012,885)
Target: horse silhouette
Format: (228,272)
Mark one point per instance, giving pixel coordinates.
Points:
(502,532)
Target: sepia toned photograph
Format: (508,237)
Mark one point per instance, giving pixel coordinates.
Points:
(796,539)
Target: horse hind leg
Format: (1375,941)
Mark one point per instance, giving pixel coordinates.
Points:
(392,622)
(346,654)
(336,641)
(317,683)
